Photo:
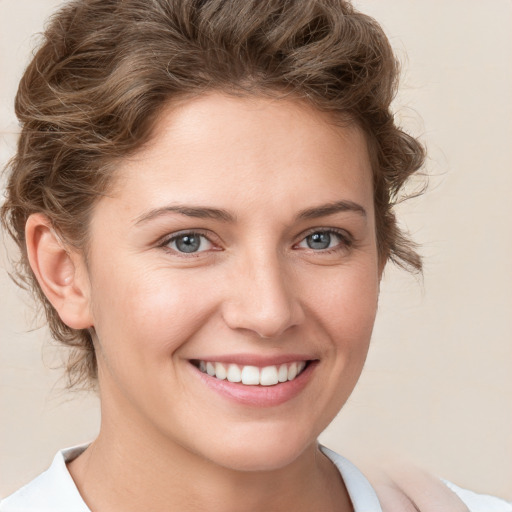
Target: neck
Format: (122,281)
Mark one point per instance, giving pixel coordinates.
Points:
(131,471)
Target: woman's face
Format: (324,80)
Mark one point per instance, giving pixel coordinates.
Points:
(239,244)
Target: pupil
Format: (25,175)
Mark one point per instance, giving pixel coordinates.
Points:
(319,240)
(188,243)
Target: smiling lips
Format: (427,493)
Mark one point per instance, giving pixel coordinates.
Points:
(252,380)
(253,375)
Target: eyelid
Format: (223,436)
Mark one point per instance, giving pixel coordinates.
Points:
(346,237)
(167,239)
(343,233)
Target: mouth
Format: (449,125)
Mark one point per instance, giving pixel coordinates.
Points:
(249,375)
(255,380)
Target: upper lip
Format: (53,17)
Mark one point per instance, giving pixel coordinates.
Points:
(255,359)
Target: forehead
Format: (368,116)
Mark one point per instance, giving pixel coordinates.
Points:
(219,148)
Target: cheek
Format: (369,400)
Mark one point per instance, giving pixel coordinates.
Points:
(346,303)
(153,314)
(344,310)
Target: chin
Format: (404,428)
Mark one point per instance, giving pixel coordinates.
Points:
(262,450)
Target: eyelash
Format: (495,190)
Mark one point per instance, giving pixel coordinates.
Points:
(346,242)
(193,233)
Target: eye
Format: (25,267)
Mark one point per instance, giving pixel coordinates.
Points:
(189,243)
(322,240)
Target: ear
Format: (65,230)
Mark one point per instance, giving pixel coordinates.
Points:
(60,272)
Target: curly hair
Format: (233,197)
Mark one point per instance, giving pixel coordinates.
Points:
(106,68)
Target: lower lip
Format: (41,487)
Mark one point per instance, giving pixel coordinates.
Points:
(259,396)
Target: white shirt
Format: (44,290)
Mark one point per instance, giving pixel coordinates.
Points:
(55,491)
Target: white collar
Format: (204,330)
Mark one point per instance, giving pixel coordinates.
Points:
(52,491)
(55,491)
(362,494)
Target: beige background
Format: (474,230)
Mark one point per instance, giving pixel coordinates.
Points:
(437,387)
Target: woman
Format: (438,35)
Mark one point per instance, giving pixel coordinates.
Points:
(202,196)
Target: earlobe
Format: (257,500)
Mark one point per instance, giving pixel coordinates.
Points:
(60,272)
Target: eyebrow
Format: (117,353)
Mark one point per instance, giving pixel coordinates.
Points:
(330,209)
(200,212)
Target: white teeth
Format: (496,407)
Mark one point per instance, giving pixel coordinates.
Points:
(234,374)
(282,375)
(252,375)
(292,371)
(210,369)
(220,371)
(268,376)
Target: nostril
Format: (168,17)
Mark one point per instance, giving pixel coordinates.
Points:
(266,306)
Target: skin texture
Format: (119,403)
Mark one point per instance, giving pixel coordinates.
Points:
(254,289)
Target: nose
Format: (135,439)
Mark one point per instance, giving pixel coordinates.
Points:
(262,298)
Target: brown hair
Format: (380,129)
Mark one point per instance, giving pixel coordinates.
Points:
(106,68)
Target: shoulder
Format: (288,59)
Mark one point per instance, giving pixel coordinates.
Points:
(427,493)
(408,488)
(52,491)
(479,502)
